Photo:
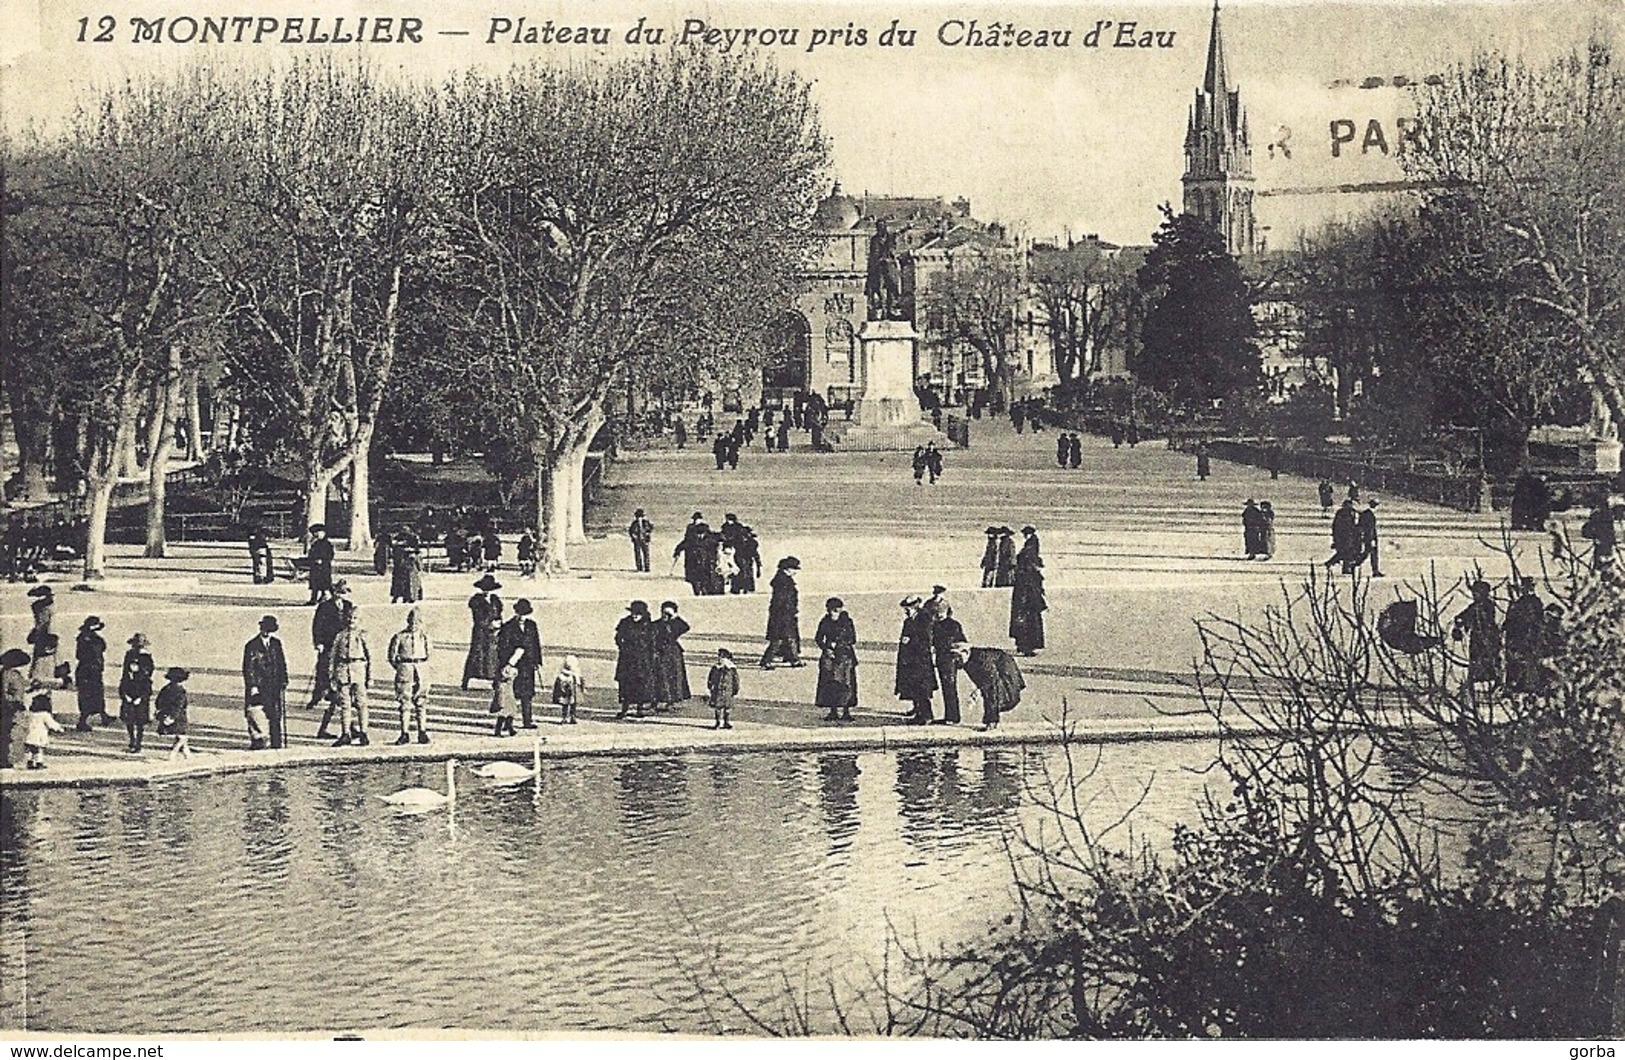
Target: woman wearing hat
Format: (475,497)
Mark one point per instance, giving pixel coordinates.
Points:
(1027,603)
(837,641)
(43,605)
(485,617)
(90,653)
(13,703)
(670,685)
(1004,564)
(783,624)
(635,661)
(135,690)
(171,708)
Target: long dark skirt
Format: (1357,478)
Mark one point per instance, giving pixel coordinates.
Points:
(92,695)
(670,684)
(837,680)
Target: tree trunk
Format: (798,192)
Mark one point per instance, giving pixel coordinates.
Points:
(575,462)
(361,491)
(125,462)
(194,419)
(98,501)
(553,507)
(31,426)
(317,481)
(163,412)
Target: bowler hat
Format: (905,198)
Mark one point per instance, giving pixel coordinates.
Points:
(834,603)
(14,657)
(699,515)
(318,528)
(269,624)
(668,605)
(177,673)
(638,512)
(1005,531)
(522,607)
(638,607)
(991,531)
(92,622)
(341,587)
(487,583)
(938,590)
(42,591)
(1029,529)
(789,563)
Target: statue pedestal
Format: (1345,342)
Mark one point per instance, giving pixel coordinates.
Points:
(1600,455)
(888,417)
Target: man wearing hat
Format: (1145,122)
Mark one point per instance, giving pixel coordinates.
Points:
(995,675)
(320,555)
(90,655)
(916,681)
(409,655)
(485,618)
(324,628)
(1004,566)
(1367,525)
(699,554)
(946,631)
(990,557)
(640,530)
(135,690)
(352,673)
(519,645)
(783,625)
(265,688)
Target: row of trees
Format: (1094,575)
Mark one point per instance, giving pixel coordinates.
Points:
(336,252)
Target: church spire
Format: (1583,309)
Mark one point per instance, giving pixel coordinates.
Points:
(1215,84)
(1218,154)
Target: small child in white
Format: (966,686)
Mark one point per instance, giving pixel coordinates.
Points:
(722,685)
(569,688)
(37,737)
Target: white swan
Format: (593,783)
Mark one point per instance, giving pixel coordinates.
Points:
(427,798)
(513,772)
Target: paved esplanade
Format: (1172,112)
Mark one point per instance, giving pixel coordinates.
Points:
(1134,547)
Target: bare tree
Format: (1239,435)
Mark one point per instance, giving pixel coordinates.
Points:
(974,304)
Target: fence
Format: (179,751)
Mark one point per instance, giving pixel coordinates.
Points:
(1466,493)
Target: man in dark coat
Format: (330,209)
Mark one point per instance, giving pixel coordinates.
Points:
(945,633)
(1204,462)
(679,434)
(747,559)
(324,629)
(519,646)
(997,678)
(485,619)
(1063,448)
(1366,524)
(1027,603)
(1252,529)
(259,555)
(1074,454)
(1345,538)
(265,687)
(837,641)
(990,557)
(933,461)
(916,681)
(1525,638)
(783,625)
(1478,626)
(320,555)
(719,450)
(635,659)
(696,571)
(640,531)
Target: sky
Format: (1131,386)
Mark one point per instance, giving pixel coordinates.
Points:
(1052,141)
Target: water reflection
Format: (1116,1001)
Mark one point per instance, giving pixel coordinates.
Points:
(590,908)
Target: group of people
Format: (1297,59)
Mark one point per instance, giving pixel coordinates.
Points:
(927,461)
(1355,538)
(1258,529)
(1068,450)
(726,560)
(1125,431)
(1021,569)
(29,544)
(1028,412)
(1517,652)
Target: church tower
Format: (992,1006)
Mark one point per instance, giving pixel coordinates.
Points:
(1218,176)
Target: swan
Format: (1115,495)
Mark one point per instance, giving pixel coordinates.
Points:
(427,798)
(513,772)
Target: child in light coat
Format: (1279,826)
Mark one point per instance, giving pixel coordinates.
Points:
(722,685)
(569,688)
(37,737)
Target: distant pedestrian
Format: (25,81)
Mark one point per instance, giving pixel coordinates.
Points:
(1133,434)
(918,464)
(933,461)
(172,708)
(990,557)
(320,557)
(1273,460)
(1267,511)
(1326,497)
(670,685)
(1204,462)
(1252,529)
(380,554)
(1599,529)
(719,451)
(1345,539)
(569,688)
(1027,601)
(409,651)
(265,688)
(406,582)
(1117,434)
(837,640)
(1063,448)
(90,655)
(679,432)
(722,687)
(1367,526)
(783,624)
(1004,571)
(1354,491)
(784,435)
(945,633)
(1525,638)
(635,659)
(135,690)
(493,548)
(1478,626)
(640,531)
(259,557)
(1074,451)
(526,553)
(915,682)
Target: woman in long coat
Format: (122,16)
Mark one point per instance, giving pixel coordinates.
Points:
(90,652)
(406,579)
(1004,564)
(783,623)
(916,679)
(670,684)
(635,659)
(1027,603)
(1483,634)
(485,614)
(837,641)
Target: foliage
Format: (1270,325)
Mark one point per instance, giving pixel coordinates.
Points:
(974,304)
(1306,412)
(1197,333)
(1084,295)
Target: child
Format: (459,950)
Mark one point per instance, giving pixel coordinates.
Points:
(723,685)
(502,701)
(135,691)
(37,737)
(171,708)
(568,689)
